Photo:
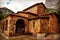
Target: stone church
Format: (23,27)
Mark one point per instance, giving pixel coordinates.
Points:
(31,21)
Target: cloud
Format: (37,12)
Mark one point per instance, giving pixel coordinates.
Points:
(18,5)
(8,2)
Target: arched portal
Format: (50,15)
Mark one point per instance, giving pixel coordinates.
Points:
(20,26)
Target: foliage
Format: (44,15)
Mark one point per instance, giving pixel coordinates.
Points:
(58,12)
(49,10)
(2,16)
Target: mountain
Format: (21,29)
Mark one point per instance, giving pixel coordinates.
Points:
(5,10)
(55,4)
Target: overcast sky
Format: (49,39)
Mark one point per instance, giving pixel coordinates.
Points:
(18,5)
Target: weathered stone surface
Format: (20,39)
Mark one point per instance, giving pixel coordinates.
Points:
(29,23)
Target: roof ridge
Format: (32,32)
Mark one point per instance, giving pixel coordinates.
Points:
(27,13)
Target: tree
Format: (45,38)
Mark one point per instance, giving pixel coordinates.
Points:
(2,16)
(49,10)
(58,12)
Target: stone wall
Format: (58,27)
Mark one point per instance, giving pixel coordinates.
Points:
(34,26)
(32,10)
(13,24)
(41,9)
(38,9)
(5,30)
(53,23)
(44,24)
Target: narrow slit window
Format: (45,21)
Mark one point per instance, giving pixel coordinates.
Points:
(6,24)
(33,24)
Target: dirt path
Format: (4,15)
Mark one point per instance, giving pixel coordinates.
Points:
(25,37)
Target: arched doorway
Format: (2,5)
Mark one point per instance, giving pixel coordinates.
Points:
(20,27)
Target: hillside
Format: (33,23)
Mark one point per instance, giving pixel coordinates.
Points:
(5,10)
(55,4)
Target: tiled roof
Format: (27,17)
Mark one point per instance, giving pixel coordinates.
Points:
(27,13)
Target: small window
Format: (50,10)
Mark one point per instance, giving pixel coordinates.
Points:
(6,24)
(33,24)
(3,29)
